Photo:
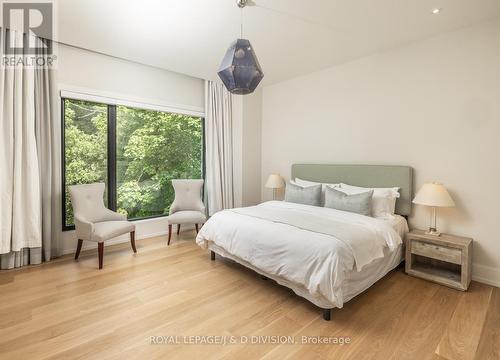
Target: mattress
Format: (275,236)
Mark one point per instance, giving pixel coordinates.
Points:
(354,283)
(324,255)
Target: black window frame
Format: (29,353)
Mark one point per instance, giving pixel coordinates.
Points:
(111,184)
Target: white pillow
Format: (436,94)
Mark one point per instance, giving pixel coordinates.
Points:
(382,191)
(383,199)
(306,183)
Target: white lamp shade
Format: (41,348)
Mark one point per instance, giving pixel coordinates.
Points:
(433,194)
(275,181)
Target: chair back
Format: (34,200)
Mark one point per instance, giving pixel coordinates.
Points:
(187,195)
(88,200)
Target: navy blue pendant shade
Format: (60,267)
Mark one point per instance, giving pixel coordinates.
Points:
(240,70)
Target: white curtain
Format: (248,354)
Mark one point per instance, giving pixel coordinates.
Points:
(29,165)
(219,148)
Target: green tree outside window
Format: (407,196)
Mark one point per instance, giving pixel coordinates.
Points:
(152,148)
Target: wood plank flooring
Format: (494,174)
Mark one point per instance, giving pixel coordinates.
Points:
(153,304)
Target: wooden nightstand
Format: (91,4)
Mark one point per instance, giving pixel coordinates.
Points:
(445,259)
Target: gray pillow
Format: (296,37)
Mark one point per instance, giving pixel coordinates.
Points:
(356,203)
(310,195)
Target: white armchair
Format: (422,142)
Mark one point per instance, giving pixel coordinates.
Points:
(188,207)
(93,221)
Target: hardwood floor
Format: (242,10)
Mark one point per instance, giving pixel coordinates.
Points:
(69,310)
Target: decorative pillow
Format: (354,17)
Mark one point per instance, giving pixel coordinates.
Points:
(383,201)
(305,183)
(376,191)
(309,195)
(357,203)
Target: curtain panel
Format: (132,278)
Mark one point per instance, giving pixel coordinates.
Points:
(29,162)
(219,148)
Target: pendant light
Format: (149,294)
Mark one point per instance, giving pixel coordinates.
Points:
(240,70)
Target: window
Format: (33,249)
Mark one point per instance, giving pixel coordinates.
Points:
(85,147)
(136,152)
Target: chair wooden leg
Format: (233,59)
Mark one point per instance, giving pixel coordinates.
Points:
(169,233)
(100,248)
(196,226)
(178,228)
(78,248)
(132,240)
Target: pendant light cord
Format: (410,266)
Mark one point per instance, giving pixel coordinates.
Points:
(241,23)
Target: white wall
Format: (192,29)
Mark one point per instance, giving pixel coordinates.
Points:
(106,74)
(83,70)
(247,119)
(252,146)
(238,118)
(433,105)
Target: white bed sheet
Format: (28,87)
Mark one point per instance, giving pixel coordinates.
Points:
(357,282)
(231,230)
(354,283)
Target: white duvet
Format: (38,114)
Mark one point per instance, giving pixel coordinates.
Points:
(309,246)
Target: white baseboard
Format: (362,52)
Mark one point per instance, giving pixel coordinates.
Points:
(119,240)
(486,274)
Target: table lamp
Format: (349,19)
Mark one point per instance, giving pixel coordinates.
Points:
(434,195)
(275,182)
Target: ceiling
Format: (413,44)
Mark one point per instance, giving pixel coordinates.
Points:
(291,37)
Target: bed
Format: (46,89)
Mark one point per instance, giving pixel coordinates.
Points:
(324,255)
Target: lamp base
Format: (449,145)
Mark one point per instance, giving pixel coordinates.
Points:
(433,232)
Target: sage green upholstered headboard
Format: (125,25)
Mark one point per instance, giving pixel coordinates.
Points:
(363,175)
